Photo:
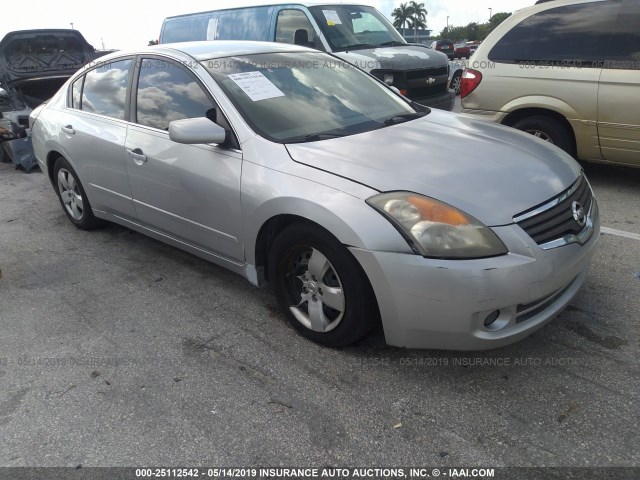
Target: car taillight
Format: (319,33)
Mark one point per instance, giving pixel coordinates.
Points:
(470,80)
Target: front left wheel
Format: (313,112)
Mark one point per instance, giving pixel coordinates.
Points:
(321,288)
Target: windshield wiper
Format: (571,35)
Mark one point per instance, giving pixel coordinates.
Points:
(358,45)
(403,117)
(392,43)
(313,137)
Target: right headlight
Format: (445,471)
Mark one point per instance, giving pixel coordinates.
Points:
(436,229)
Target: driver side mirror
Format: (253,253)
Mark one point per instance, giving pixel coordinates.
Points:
(192,131)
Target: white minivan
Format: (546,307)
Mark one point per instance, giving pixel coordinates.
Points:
(358,34)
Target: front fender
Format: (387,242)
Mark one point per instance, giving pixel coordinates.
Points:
(268,193)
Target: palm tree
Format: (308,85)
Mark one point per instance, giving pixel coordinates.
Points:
(418,18)
(402,16)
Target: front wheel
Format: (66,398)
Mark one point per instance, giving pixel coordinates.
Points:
(320,286)
(455,82)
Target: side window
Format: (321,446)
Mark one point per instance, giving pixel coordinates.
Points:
(244,24)
(167,92)
(623,51)
(105,89)
(76,93)
(185,29)
(212,29)
(294,27)
(572,33)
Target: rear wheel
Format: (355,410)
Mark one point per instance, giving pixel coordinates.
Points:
(72,196)
(548,129)
(320,287)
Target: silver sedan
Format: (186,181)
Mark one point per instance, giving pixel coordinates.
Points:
(296,169)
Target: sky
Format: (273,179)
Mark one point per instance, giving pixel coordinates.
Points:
(120,24)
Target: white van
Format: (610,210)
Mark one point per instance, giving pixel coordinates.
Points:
(358,34)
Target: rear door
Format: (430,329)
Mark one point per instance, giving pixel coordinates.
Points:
(93,130)
(619,92)
(188,192)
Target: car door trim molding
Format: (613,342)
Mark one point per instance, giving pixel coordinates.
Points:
(110,191)
(625,126)
(209,229)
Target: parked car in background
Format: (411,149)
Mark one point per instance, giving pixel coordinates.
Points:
(289,166)
(472,48)
(445,46)
(461,50)
(577,87)
(34,64)
(358,34)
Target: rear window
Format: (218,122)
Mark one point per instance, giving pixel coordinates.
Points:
(573,33)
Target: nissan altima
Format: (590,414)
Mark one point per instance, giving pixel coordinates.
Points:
(299,171)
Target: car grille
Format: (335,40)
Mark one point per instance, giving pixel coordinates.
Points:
(554,220)
(425,92)
(426,73)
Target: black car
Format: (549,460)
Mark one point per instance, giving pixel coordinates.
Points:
(34,64)
(444,46)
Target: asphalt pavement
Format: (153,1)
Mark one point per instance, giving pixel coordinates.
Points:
(117,350)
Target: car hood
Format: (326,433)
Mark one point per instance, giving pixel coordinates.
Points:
(401,57)
(489,171)
(35,54)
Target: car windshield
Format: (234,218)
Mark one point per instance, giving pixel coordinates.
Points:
(349,27)
(306,96)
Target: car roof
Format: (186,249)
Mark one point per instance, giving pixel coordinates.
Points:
(274,4)
(211,49)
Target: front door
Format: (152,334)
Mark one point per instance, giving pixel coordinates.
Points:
(188,192)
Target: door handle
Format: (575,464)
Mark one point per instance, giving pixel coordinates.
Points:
(138,157)
(68,129)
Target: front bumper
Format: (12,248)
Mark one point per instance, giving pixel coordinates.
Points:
(442,304)
(443,101)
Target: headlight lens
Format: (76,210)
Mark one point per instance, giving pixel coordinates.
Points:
(436,229)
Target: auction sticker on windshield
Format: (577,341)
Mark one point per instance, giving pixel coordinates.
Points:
(256,85)
(332,17)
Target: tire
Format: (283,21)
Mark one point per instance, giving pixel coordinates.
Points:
(549,129)
(455,82)
(320,287)
(72,196)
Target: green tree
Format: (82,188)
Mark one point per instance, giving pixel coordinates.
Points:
(497,19)
(472,31)
(402,16)
(418,18)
